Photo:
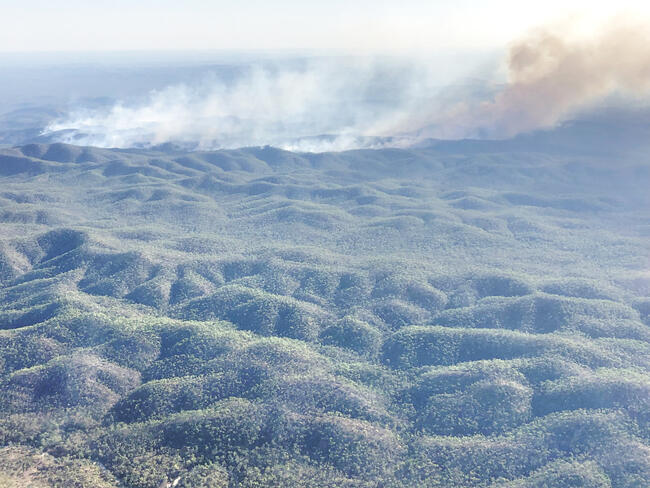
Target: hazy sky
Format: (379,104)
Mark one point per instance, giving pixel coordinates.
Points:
(108,25)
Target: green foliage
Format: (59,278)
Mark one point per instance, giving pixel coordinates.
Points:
(356,447)
(20,467)
(602,388)
(354,334)
(563,474)
(484,407)
(205,476)
(369,319)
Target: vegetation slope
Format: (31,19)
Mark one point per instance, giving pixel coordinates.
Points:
(429,317)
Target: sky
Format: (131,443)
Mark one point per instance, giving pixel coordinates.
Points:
(358,25)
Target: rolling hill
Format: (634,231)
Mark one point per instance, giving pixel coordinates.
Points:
(454,315)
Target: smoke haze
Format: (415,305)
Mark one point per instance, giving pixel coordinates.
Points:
(285,105)
(552,73)
(336,105)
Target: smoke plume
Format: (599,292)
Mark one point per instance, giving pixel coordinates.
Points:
(318,105)
(333,105)
(553,73)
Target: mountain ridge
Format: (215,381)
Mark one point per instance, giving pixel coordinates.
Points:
(256,317)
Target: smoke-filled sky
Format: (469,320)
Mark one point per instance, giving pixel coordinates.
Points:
(351,73)
(551,73)
(376,25)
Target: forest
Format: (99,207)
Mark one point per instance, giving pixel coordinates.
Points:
(452,315)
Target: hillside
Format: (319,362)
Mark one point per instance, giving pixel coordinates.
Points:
(454,315)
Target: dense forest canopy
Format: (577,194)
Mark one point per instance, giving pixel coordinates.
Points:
(455,315)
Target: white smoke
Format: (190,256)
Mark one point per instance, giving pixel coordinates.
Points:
(349,103)
(284,106)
